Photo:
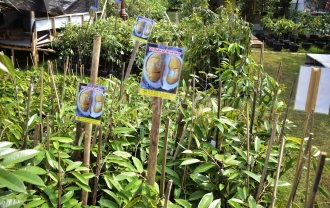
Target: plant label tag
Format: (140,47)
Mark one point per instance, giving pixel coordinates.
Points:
(92,11)
(161,71)
(90,100)
(118,4)
(142,29)
(313,90)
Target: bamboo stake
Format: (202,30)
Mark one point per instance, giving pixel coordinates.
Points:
(264,171)
(88,126)
(16,95)
(36,135)
(27,113)
(162,178)
(247,146)
(262,54)
(317,179)
(41,98)
(66,68)
(59,185)
(50,67)
(131,61)
(300,169)
(121,83)
(309,163)
(48,131)
(180,117)
(168,193)
(76,153)
(253,110)
(98,166)
(95,135)
(218,116)
(278,77)
(154,137)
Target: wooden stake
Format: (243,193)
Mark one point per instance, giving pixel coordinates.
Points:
(262,54)
(247,146)
(95,136)
(131,61)
(98,166)
(66,68)
(168,193)
(36,135)
(76,153)
(253,109)
(121,83)
(300,169)
(27,113)
(264,171)
(16,95)
(154,137)
(309,163)
(313,89)
(218,116)
(88,126)
(41,98)
(162,178)
(317,179)
(59,184)
(48,132)
(50,67)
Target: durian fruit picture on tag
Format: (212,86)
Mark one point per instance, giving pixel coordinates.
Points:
(90,100)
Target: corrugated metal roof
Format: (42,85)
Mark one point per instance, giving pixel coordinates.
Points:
(323,59)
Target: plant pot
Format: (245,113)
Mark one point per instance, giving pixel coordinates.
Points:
(270,43)
(312,40)
(320,44)
(277,46)
(313,36)
(327,47)
(294,47)
(286,44)
(306,46)
(302,36)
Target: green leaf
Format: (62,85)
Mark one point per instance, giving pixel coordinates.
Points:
(241,193)
(204,167)
(5,151)
(215,204)
(108,203)
(80,177)
(196,195)
(29,177)
(227,109)
(122,130)
(125,175)
(137,164)
(183,203)
(11,181)
(83,186)
(31,120)
(34,203)
(241,153)
(206,200)
(6,65)
(253,175)
(35,170)
(20,156)
(6,144)
(252,202)
(73,165)
(12,203)
(190,161)
(66,197)
(62,139)
(324,193)
(257,144)
(122,154)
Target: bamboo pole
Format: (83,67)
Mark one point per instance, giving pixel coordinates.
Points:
(95,135)
(88,126)
(59,184)
(66,68)
(48,132)
(309,163)
(317,179)
(50,67)
(121,83)
(264,171)
(300,169)
(162,178)
(98,166)
(16,95)
(247,146)
(218,116)
(41,98)
(131,61)
(76,153)
(154,138)
(168,193)
(27,113)
(253,110)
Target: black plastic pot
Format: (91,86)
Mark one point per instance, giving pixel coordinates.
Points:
(302,36)
(327,47)
(286,44)
(320,44)
(306,46)
(312,40)
(314,36)
(270,43)
(294,47)
(277,46)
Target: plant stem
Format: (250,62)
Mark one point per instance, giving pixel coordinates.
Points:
(27,113)
(168,193)
(98,167)
(162,178)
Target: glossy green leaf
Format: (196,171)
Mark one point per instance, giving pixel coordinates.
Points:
(80,177)
(35,170)
(11,181)
(197,195)
(62,139)
(34,203)
(183,203)
(137,164)
(6,144)
(83,186)
(125,175)
(215,204)
(122,154)
(73,165)
(190,161)
(108,203)
(19,156)
(252,202)
(206,200)
(66,197)
(29,177)
(12,203)
(257,144)
(6,65)
(253,175)
(122,130)
(5,151)
(204,167)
